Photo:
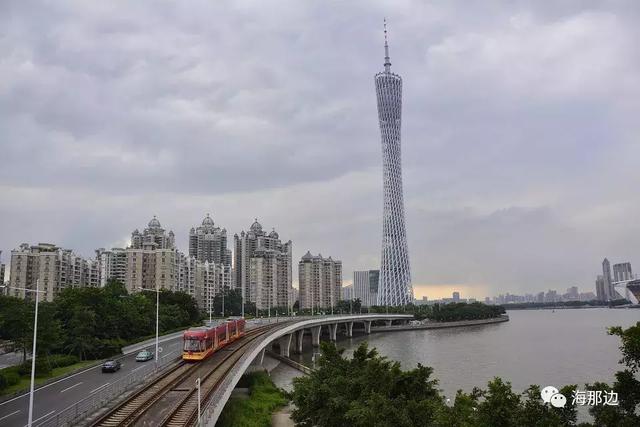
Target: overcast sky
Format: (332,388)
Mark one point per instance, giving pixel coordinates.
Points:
(520,141)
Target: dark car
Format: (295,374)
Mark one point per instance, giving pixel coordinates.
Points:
(111,366)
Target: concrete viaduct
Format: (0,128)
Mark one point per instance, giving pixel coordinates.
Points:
(287,337)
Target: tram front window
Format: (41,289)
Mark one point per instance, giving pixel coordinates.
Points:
(192,345)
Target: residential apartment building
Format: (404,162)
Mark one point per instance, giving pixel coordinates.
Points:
(209,243)
(262,266)
(112,264)
(320,281)
(51,267)
(152,261)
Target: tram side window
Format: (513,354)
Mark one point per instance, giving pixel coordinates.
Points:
(222,335)
(191,345)
(209,342)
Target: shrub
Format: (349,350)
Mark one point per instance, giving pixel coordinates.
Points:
(61,360)
(42,368)
(12,378)
(108,347)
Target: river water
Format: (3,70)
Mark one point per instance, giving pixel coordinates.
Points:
(542,347)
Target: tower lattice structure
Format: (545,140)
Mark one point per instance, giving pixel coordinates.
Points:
(395,273)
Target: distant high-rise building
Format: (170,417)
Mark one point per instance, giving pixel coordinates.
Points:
(152,259)
(263,265)
(209,243)
(456,297)
(53,268)
(320,281)
(395,272)
(202,280)
(1,272)
(153,237)
(112,264)
(551,296)
(622,272)
(600,294)
(609,289)
(572,294)
(347,293)
(293,296)
(365,286)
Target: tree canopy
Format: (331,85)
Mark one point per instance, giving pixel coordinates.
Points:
(93,322)
(370,390)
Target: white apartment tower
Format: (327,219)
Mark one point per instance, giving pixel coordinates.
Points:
(320,281)
(262,266)
(112,264)
(209,243)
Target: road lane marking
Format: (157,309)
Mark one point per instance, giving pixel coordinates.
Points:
(139,367)
(7,416)
(38,419)
(26,395)
(96,389)
(69,388)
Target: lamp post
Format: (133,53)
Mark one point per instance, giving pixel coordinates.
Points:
(198,387)
(33,351)
(210,300)
(157,291)
(223,287)
(242,305)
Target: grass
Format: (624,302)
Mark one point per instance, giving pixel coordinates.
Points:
(25,382)
(264,399)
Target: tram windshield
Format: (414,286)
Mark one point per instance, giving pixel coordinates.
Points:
(193,344)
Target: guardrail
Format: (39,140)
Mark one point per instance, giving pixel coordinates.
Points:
(101,397)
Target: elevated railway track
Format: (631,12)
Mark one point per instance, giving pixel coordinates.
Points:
(171,400)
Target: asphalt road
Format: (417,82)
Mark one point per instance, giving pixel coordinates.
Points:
(53,398)
(59,395)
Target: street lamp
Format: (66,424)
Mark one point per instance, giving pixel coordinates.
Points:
(157,291)
(198,387)
(33,352)
(223,287)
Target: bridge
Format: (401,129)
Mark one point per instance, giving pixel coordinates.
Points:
(288,338)
(182,391)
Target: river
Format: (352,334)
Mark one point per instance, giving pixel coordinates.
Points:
(542,347)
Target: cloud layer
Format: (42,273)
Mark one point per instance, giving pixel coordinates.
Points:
(520,130)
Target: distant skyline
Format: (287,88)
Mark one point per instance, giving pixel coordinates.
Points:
(519,131)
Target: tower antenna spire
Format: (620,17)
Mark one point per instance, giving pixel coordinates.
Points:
(387,60)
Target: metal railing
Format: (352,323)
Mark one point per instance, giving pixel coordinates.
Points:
(104,395)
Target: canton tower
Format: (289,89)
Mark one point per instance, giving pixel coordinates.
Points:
(395,274)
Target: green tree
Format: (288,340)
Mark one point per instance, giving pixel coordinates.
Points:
(626,384)
(367,390)
(82,328)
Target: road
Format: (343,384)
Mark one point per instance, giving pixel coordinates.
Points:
(61,394)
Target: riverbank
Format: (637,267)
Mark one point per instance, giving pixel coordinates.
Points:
(440,325)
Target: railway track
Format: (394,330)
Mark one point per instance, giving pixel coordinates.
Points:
(185,413)
(129,412)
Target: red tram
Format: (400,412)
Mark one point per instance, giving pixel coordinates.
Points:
(201,342)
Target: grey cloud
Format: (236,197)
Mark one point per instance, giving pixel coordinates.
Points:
(519,133)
